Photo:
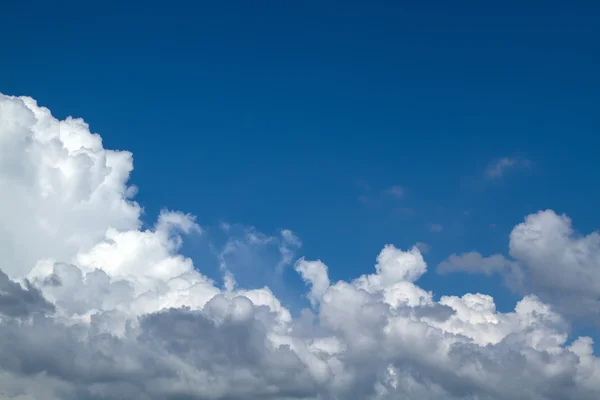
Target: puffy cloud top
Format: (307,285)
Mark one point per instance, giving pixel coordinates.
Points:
(92,306)
(556,257)
(61,190)
(550,259)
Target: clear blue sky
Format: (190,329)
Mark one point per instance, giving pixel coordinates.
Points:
(286,114)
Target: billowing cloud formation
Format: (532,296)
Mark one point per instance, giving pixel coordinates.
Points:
(554,262)
(94,307)
(61,190)
(556,258)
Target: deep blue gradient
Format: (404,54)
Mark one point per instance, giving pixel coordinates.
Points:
(279,114)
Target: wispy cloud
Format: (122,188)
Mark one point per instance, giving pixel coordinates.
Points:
(498,168)
(423,247)
(396,191)
(362,184)
(371,196)
(473,262)
(435,227)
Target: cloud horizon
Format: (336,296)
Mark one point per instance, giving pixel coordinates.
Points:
(93,305)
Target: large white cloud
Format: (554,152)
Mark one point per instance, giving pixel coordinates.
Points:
(94,307)
(556,257)
(61,190)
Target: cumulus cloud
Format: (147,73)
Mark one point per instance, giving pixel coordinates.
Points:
(21,301)
(550,259)
(61,190)
(561,265)
(93,306)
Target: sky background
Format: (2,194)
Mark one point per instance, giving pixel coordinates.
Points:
(354,125)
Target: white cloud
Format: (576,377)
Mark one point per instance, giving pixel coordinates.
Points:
(560,264)
(550,259)
(498,168)
(315,274)
(61,190)
(112,311)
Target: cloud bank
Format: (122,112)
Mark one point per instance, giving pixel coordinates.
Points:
(94,306)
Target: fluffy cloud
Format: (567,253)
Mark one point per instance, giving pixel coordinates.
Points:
(550,259)
(61,190)
(92,306)
(556,257)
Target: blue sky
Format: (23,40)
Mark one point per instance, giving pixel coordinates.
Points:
(304,116)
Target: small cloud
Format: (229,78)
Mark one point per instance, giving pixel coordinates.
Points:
(363,184)
(225,226)
(379,197)
(364,199)
(435,227)
(395,191)
(423,247)
(290,237)
(473,262)
(498,168)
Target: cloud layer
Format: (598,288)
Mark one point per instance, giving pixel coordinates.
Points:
(550,259)
(93,306)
